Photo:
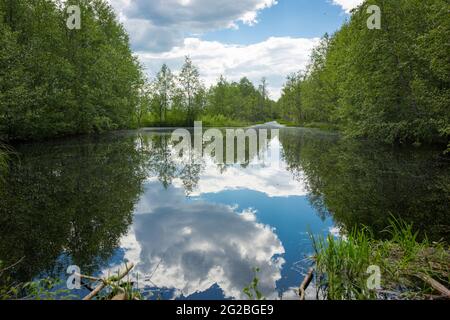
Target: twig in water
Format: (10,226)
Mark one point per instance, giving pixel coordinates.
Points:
(434,284)
(306,283)
(104,283)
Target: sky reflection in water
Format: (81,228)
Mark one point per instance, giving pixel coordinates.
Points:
(202,228)
(206,244)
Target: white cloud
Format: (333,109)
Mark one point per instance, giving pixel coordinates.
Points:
(191,245)
(163,24)
(274,59)
(271,179)
(164,31)
(348,5)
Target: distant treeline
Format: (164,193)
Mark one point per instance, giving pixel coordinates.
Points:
(180,99)
(391,84)
(55,81)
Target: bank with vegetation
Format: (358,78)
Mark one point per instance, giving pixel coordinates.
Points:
(408,268)
(55,81)
(391,85)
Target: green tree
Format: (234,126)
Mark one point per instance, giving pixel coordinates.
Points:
(365,183)
(68,204)
(164,88)
(390,85)
(55,81)
(191,89)
(290,104)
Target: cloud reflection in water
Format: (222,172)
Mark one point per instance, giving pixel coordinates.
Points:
(196,244)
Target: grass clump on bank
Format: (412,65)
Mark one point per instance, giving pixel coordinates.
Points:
(174,119)
(223,121)
(410,269)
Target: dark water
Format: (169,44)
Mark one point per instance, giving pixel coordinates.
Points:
(198,229)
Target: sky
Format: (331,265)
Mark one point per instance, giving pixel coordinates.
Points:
(233,38)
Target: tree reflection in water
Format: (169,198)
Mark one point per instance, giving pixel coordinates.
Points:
(73,201)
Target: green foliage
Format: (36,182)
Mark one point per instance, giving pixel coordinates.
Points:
(68,204)
(240,101)
(173,100)
(222,121)
(252,291)
(180,99)
(192,93)
(390,85)
(342,264)
(43,289)
(3,162)
(114,286)
(290,103)
(56,81)
(164,90)
(172,118)
(363,183)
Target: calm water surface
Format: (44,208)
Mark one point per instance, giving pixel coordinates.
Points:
(197,230)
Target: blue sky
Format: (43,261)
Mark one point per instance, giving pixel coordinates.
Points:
(252,38)
(295,18)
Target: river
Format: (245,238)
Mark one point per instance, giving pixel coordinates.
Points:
(198,229)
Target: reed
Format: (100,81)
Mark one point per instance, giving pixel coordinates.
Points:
(410,269)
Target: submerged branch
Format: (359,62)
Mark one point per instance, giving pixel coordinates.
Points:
(305,283)
(104,282)
(434,284)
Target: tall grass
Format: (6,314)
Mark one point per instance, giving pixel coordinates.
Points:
(342,264)
(222,121)
(174,119)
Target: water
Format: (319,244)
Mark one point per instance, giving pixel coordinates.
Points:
(198,230)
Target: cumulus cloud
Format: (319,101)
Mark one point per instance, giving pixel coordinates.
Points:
(194,245)
(164,31)
(272,178)
(274,59)
(348,5)
(162,24)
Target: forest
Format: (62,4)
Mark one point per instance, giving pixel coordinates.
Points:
(55,81)
(94,200)
(180,99)
(390,85)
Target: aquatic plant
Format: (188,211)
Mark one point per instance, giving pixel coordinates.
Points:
(252,291)
(42,289)
(409,269)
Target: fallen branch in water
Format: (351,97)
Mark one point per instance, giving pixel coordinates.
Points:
(305,283)
(435,285)
(105,282)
